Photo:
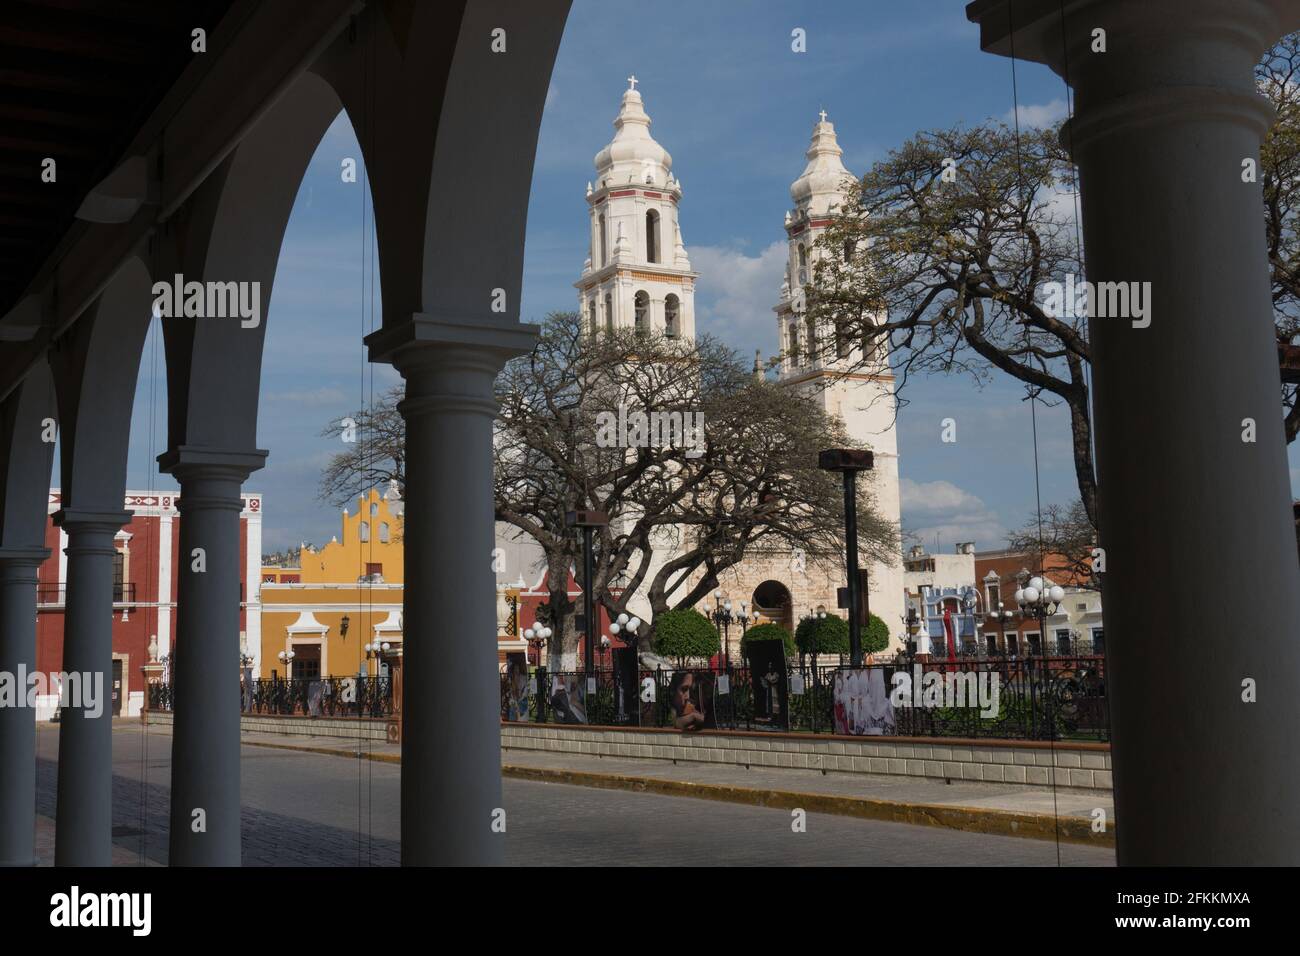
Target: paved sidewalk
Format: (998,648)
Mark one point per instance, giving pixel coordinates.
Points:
(1034,812)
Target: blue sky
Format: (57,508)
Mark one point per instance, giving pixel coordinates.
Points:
(735,107)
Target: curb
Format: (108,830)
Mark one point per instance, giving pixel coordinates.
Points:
(1031,826)
(328,751)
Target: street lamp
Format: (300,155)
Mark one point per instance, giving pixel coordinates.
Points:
(1001,617)
(588,521)
(849,462)
(722,620)
(1040,600)
(604,650)
(286,658)
(376,650)
(536,637)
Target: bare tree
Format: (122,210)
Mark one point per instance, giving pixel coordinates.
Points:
(680,512)
(1277,75)
(374,450)
(1067,536)
(940,250)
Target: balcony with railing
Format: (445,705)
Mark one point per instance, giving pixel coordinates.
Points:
(55,595)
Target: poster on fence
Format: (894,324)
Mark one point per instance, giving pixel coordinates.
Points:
(626,684)
(569,698)
(861,701)
(692,695)
(769,683)
(517,687)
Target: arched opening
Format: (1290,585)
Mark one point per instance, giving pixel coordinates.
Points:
(672,311)
(792,343)
(609,313)
(593,325)
(811,325)
(772,601)
(803,264)
(600,238)
(652,235)
(641,313)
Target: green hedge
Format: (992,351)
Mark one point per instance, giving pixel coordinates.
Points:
(685,633)
(830,635)
(769,632)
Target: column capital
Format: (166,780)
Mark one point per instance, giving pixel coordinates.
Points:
(88,519)
(23,557)
(199,461)
(430,339)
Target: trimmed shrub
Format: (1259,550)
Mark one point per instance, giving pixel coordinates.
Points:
(769,632)
(822,635)
(685,633)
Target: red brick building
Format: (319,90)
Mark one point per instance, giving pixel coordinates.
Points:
(1075,628)
(144,594)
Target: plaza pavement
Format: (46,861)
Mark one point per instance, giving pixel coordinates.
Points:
(304,804)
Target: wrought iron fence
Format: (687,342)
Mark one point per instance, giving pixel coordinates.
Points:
(1037,698)
(302,696)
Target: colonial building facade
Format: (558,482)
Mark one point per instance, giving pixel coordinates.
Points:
(146,560)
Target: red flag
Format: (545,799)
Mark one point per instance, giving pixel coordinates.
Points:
(950,631)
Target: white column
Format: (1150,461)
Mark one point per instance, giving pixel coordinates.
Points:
(18,569)
(1201,589)
(84,819)
(164,584)
(205,672)
(451,738)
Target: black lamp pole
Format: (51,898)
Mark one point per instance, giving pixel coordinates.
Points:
(588,521)
(849,462)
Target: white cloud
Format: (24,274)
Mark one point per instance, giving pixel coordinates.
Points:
(939,509)
(1037,115)
(735,293)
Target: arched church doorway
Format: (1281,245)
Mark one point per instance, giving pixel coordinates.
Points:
(772,600)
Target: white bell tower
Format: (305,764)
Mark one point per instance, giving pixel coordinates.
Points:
(637,274)
(815,359)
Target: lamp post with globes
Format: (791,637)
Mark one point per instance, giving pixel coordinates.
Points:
(284,700)
(722,620)
(375,652)
(1040,600)
(1001,617)
(286,658)
(536,637)
(627,626)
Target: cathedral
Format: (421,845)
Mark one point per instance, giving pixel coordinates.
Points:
(638,274)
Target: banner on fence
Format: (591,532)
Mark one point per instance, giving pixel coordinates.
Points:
(861,701)
(569,699)
(517,687)
(769,682)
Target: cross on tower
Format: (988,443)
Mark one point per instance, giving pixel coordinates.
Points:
(631,82)
(823,115)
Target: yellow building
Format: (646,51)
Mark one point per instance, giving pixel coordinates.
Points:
(339,599)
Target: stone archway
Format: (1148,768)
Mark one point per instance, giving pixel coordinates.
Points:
(773,601)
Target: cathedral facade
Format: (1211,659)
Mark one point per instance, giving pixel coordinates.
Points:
(638,275)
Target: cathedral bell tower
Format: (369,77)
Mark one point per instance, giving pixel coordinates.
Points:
(817,359)
(637,274)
